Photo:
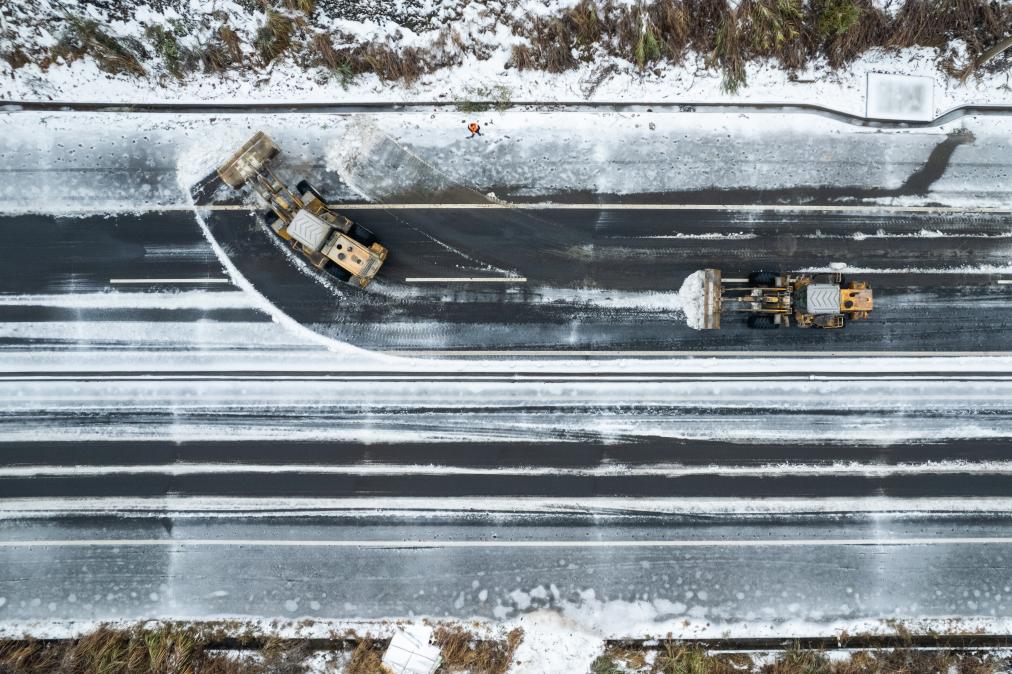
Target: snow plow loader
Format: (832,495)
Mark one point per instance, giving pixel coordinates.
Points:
(774,299)
(329,241)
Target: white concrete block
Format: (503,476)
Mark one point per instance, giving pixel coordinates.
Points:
(906,97)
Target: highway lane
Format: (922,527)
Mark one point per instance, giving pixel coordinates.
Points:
(440,482)
(594,279)
(575,455)
(609,279)
(660,573)
(574,464)
(857,409)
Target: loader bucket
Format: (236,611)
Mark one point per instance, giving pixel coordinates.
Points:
(711,299)
(248,161)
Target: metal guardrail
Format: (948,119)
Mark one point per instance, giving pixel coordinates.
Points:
(581,106)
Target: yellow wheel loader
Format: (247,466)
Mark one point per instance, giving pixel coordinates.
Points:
(775,299)
(328,240)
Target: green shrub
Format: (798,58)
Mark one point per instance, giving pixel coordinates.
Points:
(834,18)
(178,59)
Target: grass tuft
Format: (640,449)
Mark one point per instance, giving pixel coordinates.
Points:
(231,41)
(178,60)
(274,36)
(480,99)
(305,6)
(367,658)
(337,63)
(463,653)
(728,53)
(85,37)
(167,648)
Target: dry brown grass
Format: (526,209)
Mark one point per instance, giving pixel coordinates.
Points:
(647,33)
(85,37)
(905,661)
(463,652)
(680,658)
(729,53)
(274,36)
(325,49)
(166,649)
(917,23)
(390,64)
(552,43)
(305,6)
(231,41)
(673,23)
(16,58)
(367,658)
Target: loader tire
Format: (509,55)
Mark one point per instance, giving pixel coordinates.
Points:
(340,273)
(305,188)
(761,279)
(362,235)
(761,322)
(270,217)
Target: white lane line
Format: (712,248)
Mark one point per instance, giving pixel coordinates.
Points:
(608,470)
(679,207)
(466,279)
(506,377)
(807,355)
(458,507)
(1005,281)
(129,281)
(275,543)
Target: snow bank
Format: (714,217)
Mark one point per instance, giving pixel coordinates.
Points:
(690,297)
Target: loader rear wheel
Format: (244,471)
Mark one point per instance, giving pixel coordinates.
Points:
(305,188)
(270,217)
(762,322)
(362,235)
(759,279)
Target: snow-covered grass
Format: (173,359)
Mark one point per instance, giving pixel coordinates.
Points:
(540,642)
(536,154)
(819,51)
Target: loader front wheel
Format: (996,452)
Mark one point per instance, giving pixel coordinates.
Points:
(270,217)
(305,188)
(362,235)
(762,322)
(340,273)
(762,279)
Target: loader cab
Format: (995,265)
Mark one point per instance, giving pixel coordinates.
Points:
(354,260)
(817,299)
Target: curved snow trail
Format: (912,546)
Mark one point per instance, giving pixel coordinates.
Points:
(240,281)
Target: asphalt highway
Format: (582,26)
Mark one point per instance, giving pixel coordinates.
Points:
(708,576)
(172,445)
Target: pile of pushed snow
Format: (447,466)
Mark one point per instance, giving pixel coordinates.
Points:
(691,297)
